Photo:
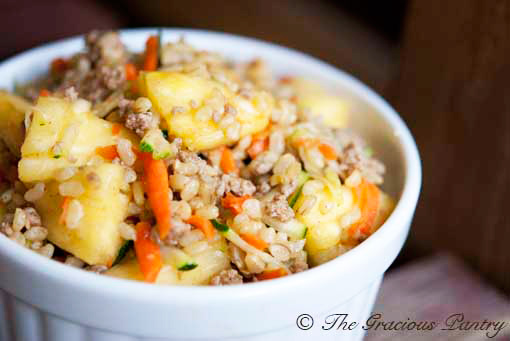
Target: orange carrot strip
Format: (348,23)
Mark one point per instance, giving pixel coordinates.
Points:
(147,252)
(306,142)
(233,203)
(59,65)
(254,241)
(131,71)
(108,152)
(150,62)
(328,151)
(203,224)
(65,206)
(271,274)
(259,143)
(286,79)
(367,196)
(44,93)
(227,162)
(116,128)
(156,179)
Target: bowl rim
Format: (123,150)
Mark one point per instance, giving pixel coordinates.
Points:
(392,227)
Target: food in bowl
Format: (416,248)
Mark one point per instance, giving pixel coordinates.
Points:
(179,166)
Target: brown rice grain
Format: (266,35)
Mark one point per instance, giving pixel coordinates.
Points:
(64,174)
(280,252)
(47,250)
(124,148)
(71,188)
(142,104)
(36,233)
(138,193)
(127,231)
(254,263)
(35,193)
(74,214)
(20,219)
(74,262)
(208,212)
(190,190)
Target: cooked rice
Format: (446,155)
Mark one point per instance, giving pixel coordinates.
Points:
(268,165)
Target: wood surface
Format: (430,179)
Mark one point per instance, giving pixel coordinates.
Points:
(454,93)
(432,290)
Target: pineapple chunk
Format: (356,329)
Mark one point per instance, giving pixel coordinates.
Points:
(168,90)
(61,135)
(312,96)
(332,201)
(386,205)
(12,116)
(96,239)
(210,260)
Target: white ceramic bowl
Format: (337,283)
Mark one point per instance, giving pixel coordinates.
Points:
(46,300)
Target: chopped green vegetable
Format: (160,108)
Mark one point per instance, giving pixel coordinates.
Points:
(123,251)
(145,147)
(303,177)
(165,133)
(180,259)
(293,228)
(219,226)
(57,156)
(187,266)
(155,142)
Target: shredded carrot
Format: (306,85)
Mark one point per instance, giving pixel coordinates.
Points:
(147,252)
(44,93)
(306,142)
(65,206)
(116,128)
(156,179)
(59,65)
(131,71)
(254,241)
(203,224)
(108,152)
(259,143)
(233,203)
(286,79)
(150,62)
(271,274)
(227,162)
(367,196)
(328,151)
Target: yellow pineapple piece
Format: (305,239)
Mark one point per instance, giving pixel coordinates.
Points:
(63,134)
(312,96)
(96,239)
(323,218)
(12,116)
(172,94)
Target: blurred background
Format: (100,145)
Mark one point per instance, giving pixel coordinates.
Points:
(442,64)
